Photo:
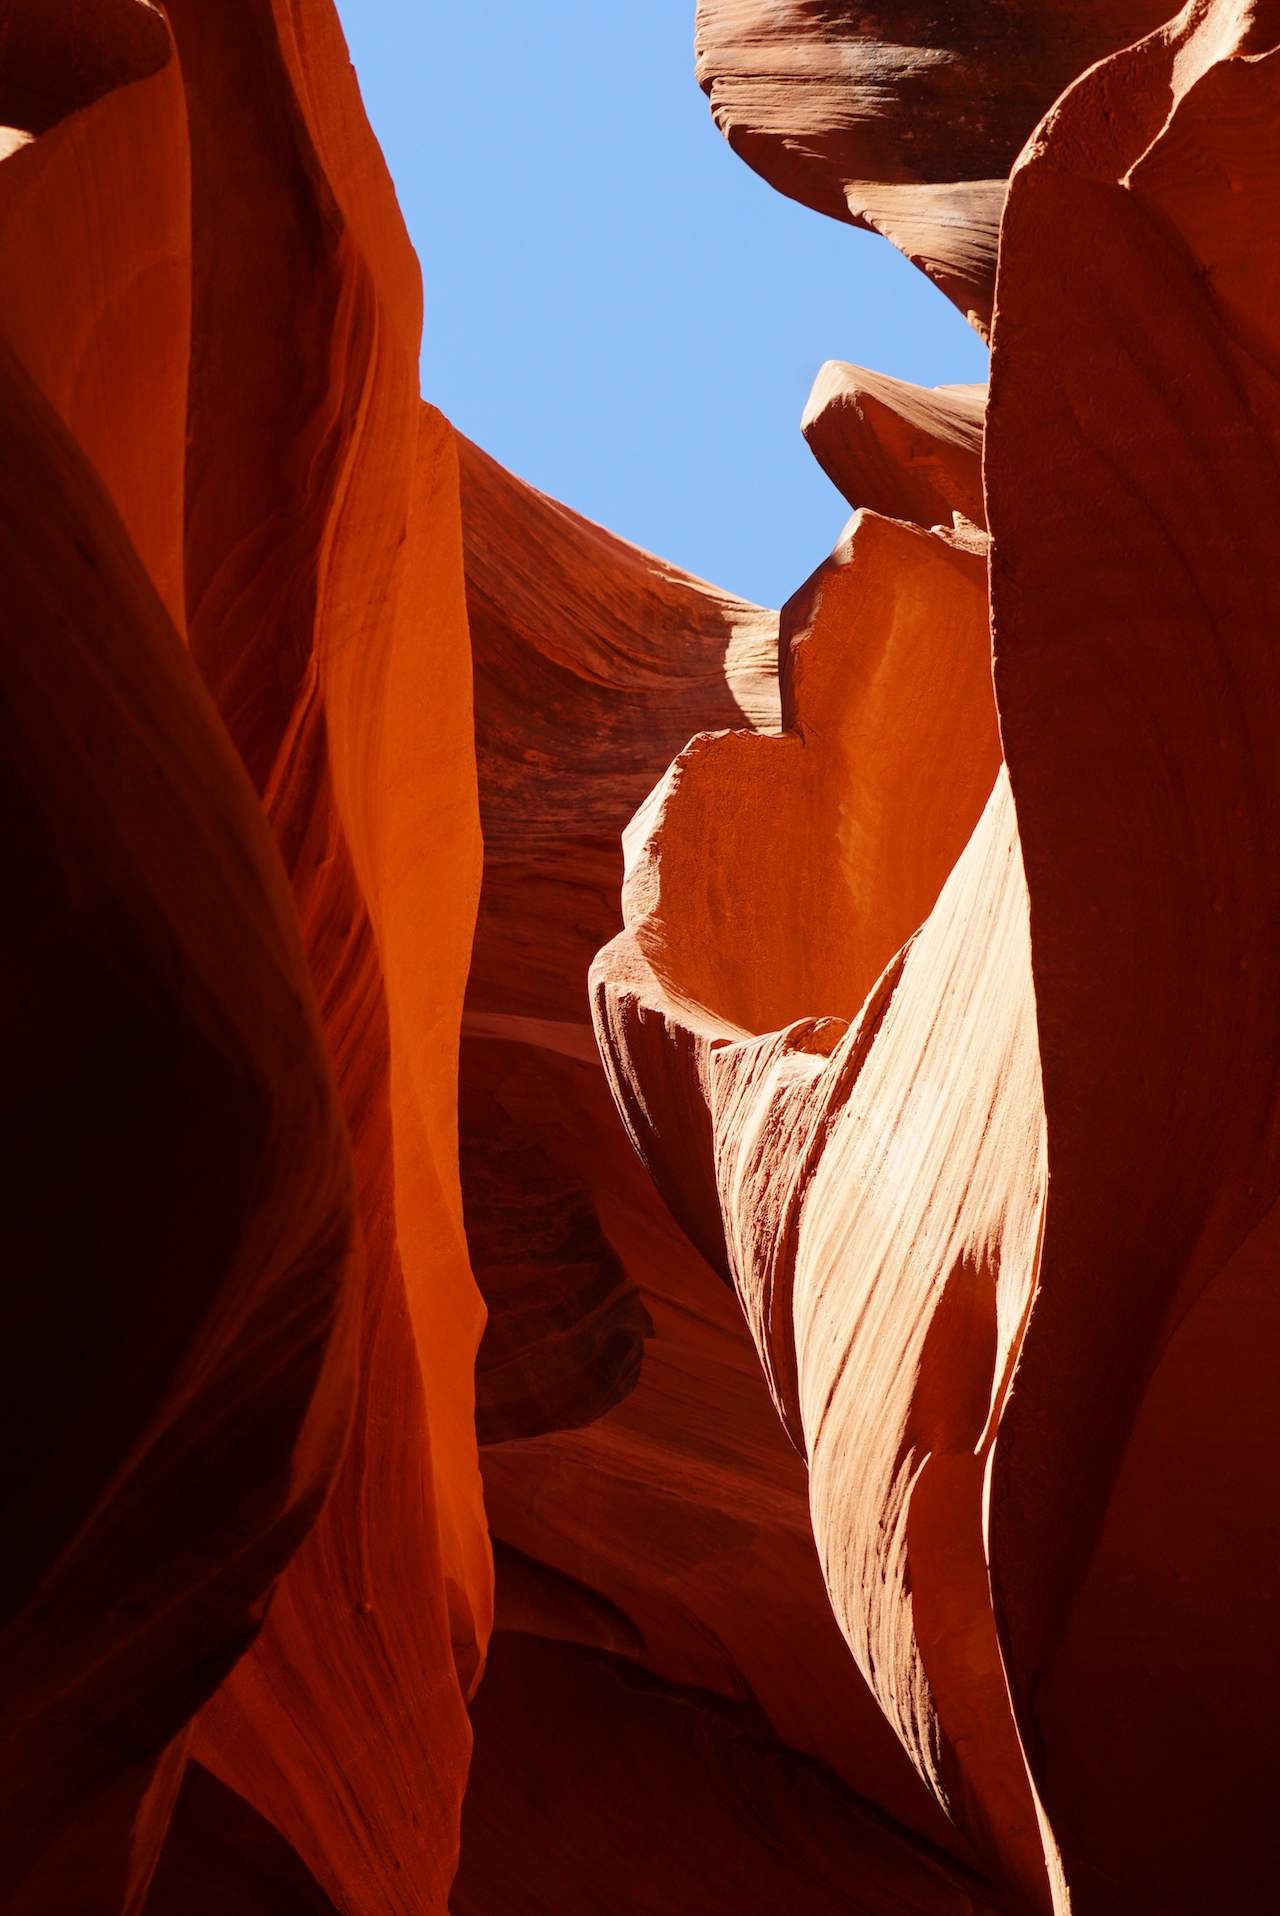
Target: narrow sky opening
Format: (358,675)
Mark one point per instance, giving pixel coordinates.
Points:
(616,307)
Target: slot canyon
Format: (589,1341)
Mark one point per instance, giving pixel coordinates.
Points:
(643,1247)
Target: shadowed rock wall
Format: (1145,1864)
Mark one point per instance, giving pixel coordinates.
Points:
(642,1232)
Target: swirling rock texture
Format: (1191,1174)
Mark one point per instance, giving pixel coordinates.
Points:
(907,452)
(234,1059)
(915,1192)
(655,1564)
(904,119)
(983,1093)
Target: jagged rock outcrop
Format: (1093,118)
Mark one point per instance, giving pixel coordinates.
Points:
(905,120)
(846,1114)
(906,451)
(643,1500)
(998,1196)
(178,1195)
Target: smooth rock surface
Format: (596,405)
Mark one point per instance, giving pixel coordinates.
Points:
(641,1492)
(1140,709)
(325,595)
(837,1048)
(905,120)
(217,435)
(999,1217)
(178,1215)
(909,452)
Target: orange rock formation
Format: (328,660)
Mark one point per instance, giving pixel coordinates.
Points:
(914,1194)
(224,336)
(905,119)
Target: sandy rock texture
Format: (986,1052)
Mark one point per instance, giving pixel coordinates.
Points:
(642,1232)
(903,119)
(984,1126)
(908,452)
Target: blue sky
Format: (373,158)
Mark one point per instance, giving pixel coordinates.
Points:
(616,307)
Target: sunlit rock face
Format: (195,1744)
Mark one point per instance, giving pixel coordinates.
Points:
(656,1570)
(904,119)
(642,1232)
(909,452)
(980,1086)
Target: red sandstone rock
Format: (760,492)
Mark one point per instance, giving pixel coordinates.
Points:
(228,327)
(325,592)
(904,120)
(95,287)
(1140,710)
(654,1796)
(1000,1239)
(944,1022)
(906,451)
(378,1627)
(643,1497)
(593,662)
(178,1218)
(839,1149)
(221,1856)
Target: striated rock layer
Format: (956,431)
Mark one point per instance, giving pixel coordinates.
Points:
(646,1507)
(326,649)
(211,366)
(758,1129)
(979,1124)
(905,120)
(873,1173)
(907,452)
(1139,685)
